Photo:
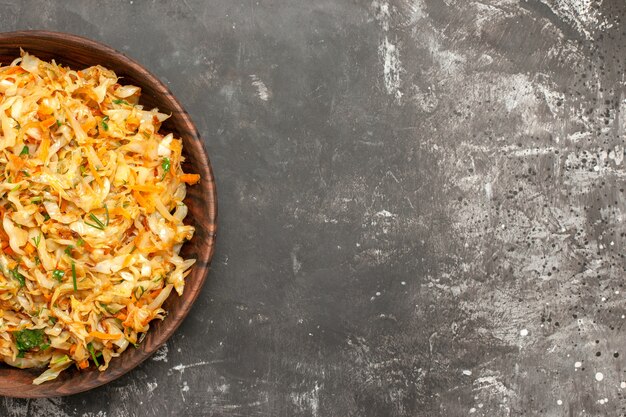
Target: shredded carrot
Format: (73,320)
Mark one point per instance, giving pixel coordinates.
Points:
(16,163)
(189,178)
(13,70)
(44,147)
(48,122)
(95,174)
(147,188)
(83,364)
(143,202)
(119,211)
(29,249)
(105,336)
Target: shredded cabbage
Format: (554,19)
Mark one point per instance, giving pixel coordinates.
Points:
(91,212)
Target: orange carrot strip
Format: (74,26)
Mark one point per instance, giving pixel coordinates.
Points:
(44,147)
(105,336)
(95,174)
(190,178)
(14,70)
(147,188)
(119,211)
(143,202)
(48,122)
(29,249)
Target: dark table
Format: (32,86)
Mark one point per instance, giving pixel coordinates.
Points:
(422,206)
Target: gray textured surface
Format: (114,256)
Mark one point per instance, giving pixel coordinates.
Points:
(421,206)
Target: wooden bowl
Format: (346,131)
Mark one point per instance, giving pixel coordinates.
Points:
(78,53)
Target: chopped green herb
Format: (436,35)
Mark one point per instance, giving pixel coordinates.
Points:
(106,212)
(83,169)
(104,124)
(20,354)
(46,217)
(143,290)
(80,242)
(98,225)
(106,308)
(68,250)
(59,360)
(36,240)
(58,274)
(37,260)
(19,277)
(36,199)
(17,187)
(29,339)
(93,353)
(26,174)
(165,164)
(59,123)
(119,101)
(74,276)
(25,151)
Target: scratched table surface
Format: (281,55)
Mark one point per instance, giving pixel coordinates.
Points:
(421,206)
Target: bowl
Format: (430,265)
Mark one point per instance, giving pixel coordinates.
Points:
(78,52)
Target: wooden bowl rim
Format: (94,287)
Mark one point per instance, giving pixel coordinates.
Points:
(192,140)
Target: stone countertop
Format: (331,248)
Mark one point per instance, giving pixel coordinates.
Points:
(421,206)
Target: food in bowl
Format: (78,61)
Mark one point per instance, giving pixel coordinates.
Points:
(91,211)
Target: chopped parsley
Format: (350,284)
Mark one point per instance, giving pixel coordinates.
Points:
(104,123)
(58,274)
(166,165)
(27,339)
(106,213)
(19,277)
(74,276)
(93,353)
